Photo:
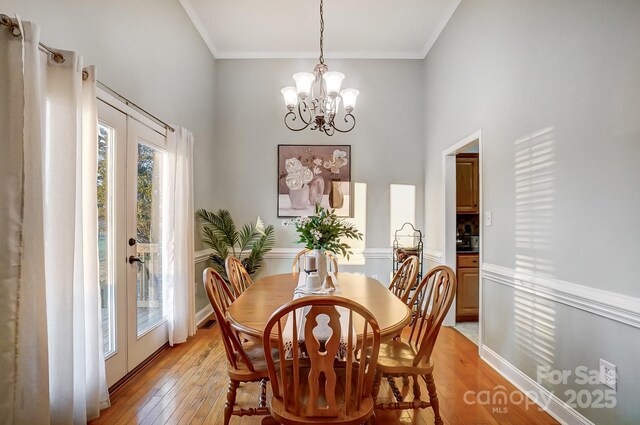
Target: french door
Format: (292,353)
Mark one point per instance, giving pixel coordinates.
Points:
(131,180)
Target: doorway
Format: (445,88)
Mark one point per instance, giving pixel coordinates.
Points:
(130,183)
(463,225)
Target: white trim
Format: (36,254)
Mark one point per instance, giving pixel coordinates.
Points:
(378,253)
(433,256)
(282,254)
(562,412)
(439,28)
(238,54)
(449,216)
(290,253)
(201,256)
(202,315)
(200,27)
(621,308)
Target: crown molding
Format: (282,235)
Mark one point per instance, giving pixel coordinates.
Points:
(238,54)
(200,27)
(438,29)
(234,54)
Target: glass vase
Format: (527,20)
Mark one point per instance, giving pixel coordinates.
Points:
(321,263)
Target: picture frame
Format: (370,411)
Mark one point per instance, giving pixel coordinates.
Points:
(310,174)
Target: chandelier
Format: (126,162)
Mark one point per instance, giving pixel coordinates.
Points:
(316,97)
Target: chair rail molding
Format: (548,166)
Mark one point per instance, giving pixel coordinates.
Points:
(202,255)
(433,256)
(619,307)
(544,398)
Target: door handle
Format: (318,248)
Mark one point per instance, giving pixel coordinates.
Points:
(134,259)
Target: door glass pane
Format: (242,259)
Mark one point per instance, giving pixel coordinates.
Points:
(149,235)
(105,218)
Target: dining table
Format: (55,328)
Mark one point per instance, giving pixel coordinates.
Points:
(251,311)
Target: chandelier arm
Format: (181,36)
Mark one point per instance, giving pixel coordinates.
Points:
(305,109)
(348,129)
(329,130)
(292,115)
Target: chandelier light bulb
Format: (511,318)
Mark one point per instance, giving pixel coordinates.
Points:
(349,97)
(333,81)
(290,96)
(303,83)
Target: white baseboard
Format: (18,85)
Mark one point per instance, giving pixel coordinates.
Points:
(202,315)
(561,411)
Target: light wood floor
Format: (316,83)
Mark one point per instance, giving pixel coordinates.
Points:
(187,384)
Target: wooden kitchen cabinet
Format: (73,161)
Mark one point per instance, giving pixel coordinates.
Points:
(467,184)
(468,291)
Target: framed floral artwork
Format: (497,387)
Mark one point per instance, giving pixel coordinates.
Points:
(314,174)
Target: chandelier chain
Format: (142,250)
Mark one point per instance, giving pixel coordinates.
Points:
(321,32)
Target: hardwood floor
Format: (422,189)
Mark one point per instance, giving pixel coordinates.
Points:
(187,384)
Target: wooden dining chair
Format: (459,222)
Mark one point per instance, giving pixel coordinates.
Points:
(405,278)
(314,387)
(245,362)
(410,356)
(237,274)
(298,262)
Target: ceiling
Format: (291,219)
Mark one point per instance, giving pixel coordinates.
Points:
(380,29)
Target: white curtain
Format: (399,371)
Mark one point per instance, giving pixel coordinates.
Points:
(178,257)
(51,353)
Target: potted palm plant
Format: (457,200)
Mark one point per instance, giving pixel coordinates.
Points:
(249,244)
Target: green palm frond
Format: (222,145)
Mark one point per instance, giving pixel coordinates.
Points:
(213,241)
(247,236)
(219,232)
(264,244)
(221,223)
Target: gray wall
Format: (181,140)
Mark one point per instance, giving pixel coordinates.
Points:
(385,145)
(555,83)
(149,51)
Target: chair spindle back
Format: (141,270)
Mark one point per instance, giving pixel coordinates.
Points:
(432,298)
(405,278)
(238,276)
(320,356)
(219,297)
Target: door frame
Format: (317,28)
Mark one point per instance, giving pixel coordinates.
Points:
(121,252)
(449,254)
(116,363)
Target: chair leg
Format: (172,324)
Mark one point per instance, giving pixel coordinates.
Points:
(416,388)
(433,398)
(376,385)
(231,400)
(371,420)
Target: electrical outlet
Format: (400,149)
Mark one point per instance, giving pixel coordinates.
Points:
(608,374)
(488,218)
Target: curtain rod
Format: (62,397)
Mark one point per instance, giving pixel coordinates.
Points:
(57,57)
